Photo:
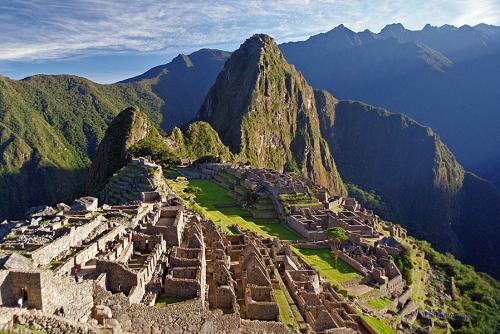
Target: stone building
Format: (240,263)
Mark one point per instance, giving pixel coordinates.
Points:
(187,274)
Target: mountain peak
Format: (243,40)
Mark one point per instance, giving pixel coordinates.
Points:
(258,42)
(265,111)
(183,60)
(393,27)
(126,129)
(429,27)
(340,29)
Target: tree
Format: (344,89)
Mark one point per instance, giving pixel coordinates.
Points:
(337,236)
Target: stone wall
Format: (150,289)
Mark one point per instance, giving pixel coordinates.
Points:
(51,324)
(118,277)
(31,282)
(353,263)
(90,251)
(48,292)
(183,317)
(395,285)
(181,287)
(64,292)
(6,296)
(45,254)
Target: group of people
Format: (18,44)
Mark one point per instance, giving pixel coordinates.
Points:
(109,246)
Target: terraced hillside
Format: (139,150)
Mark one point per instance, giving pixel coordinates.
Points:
(130,181)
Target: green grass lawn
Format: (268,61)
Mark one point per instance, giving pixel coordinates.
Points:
(163,300)
(379,302)
(322,260)
(214,203)
(379,325)
(285,313)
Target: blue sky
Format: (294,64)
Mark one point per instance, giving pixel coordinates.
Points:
(107,41)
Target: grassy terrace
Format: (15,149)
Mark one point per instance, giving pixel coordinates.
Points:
(380,326)
(213,202)
(289,312)
(333,271)
(285,313)
(379,303)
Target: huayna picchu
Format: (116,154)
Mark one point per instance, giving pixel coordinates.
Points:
(222,193)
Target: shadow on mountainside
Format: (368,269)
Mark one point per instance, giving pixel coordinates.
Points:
(37,186)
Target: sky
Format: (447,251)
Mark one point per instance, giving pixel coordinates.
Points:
(110,40)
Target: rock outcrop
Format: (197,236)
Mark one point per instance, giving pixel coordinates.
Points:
(128,128)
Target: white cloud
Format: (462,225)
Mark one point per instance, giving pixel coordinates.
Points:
(45,29)
(478,11)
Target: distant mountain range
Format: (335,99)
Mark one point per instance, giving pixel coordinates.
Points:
(268,114)
(183,83)
(443,77)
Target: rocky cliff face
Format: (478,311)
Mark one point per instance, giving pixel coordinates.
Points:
(441,77)
(265,111)
(128,128)
(416,175)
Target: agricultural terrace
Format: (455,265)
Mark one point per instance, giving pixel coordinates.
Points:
(212,200)
(379,303)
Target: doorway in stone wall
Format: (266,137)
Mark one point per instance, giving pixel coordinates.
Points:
(24,296)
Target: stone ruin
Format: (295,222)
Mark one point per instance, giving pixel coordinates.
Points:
(105,268)
(140,180)
(186,277)
(367,250)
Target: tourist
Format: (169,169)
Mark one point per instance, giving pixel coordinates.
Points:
(20,302)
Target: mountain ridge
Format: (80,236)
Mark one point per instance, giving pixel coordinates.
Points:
(264,110)
(417,73)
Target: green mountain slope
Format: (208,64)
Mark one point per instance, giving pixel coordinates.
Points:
(131,134)
(50,125)
(50,128)
(265,111)
(417,176)
(183,83)
(198,140)
(128,128)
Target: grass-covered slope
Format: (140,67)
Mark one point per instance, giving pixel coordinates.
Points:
(417,176)
(197,140)
(475,303)
(265,111)
(50,127)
